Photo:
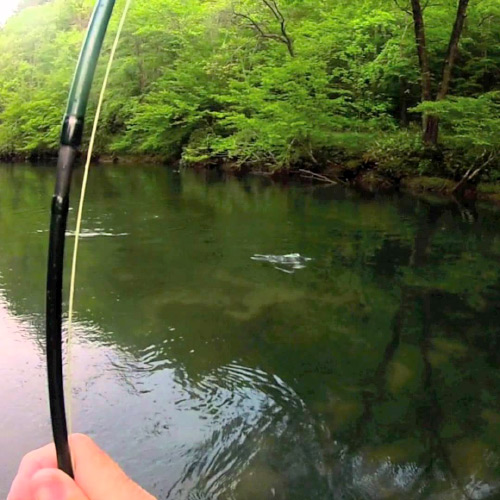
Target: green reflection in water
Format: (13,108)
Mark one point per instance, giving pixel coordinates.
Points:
(371,372)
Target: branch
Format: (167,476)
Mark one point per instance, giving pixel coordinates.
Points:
(402,8)
(273,7)
(283,38)
(308,174)
(486,18)
(252,22)
(469,175)
(271,4)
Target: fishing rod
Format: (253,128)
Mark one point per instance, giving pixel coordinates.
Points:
(71,139)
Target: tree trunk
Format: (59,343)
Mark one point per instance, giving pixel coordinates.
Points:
(431,130)
(403,102)
(452,52)
(423,58)
(430,123)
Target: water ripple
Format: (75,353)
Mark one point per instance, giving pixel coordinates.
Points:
(288,263)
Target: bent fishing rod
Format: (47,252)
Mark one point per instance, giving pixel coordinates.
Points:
(71,139)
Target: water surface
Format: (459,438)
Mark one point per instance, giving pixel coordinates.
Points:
(242,340)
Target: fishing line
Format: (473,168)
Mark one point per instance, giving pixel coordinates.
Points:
(78,227)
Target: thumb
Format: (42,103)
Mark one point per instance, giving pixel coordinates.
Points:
(53,484)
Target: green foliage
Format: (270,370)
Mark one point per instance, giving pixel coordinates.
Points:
(38,55)
(399,154)
(470,128)
(224,81)
(469,122)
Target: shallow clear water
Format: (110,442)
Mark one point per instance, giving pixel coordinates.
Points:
(242,340)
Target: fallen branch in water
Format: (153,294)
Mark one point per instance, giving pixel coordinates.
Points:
(308,174)
(470,174)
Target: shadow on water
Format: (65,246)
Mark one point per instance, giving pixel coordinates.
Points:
(258,341)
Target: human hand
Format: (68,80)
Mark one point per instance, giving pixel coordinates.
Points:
(97,476)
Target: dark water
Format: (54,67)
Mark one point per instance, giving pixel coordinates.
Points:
(212,367)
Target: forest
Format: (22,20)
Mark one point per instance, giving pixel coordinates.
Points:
(406,87)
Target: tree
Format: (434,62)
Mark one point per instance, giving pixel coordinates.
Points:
(265,84)
(282,36)
(431,122)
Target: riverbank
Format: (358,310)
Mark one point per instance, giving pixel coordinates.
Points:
(451,174)
(409,171)
(372,181)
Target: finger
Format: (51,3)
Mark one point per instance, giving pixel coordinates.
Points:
(20,489)
(53,484)
(43,458)
(96,473)
(99,476)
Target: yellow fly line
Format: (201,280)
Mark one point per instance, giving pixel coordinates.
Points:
(78,227)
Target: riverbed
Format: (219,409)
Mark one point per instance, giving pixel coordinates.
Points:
(239,339)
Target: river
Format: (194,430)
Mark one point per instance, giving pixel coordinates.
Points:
(237,339)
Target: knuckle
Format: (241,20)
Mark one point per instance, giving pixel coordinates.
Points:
(29,459)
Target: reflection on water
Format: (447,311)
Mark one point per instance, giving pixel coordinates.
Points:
(367,368)
(94,234)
